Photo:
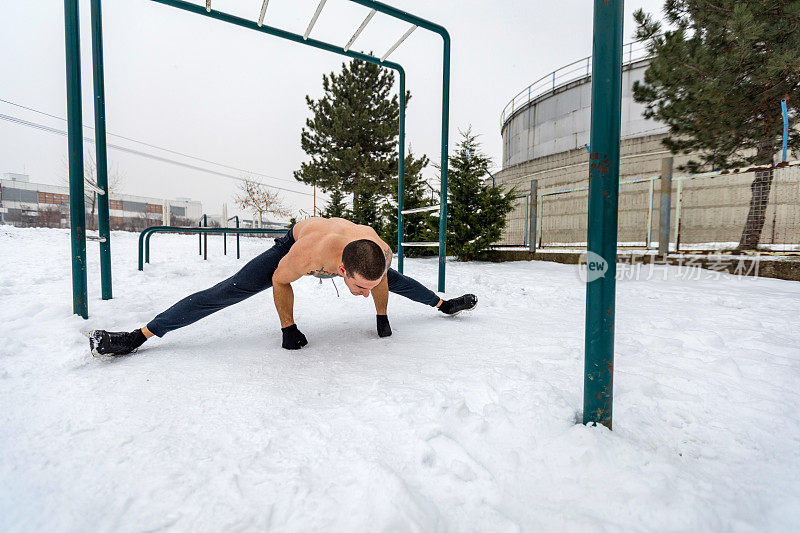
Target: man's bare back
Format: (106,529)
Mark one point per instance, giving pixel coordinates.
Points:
(319,243)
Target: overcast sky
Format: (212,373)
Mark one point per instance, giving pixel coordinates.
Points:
(233,96)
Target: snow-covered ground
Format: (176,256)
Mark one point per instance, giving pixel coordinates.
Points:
(451,424)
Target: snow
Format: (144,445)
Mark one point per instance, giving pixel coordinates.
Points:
(464,423)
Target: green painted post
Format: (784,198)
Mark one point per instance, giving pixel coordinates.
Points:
(200,238)
(401,174)
(77,206)
(205,239)
(603,193)
(445,133)
(237,238)
(100,144)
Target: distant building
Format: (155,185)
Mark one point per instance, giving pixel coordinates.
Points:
(26,204)
(13,176)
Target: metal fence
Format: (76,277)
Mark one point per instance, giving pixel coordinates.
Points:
(709,211)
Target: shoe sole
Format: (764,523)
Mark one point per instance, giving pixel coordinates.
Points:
(466,309)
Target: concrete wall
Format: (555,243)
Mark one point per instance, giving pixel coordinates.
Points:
(713,210)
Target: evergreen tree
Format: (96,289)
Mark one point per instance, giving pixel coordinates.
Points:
(336,206)
(717,79)
(418,227)
(352,137)
(476,213)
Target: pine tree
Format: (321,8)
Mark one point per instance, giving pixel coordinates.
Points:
(352,137)
(418,227)
(717,79)
(476,212)
(336,206)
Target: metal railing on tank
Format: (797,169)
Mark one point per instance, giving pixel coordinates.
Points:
(576,70)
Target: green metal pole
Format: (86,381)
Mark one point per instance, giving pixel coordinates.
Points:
(237,238)
(100,144)
(603,193)
(77,207)
(443,186)
(205,239)
(401,174)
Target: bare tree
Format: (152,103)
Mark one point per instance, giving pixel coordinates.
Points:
(115,180)
(256,197)
(48,217)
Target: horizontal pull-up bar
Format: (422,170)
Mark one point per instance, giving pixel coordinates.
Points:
(314,18)
(263,12)
(399,42)
(359,30)
(421,244)
(421,209)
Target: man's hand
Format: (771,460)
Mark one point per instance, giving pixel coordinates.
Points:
(293,339)
(384,329)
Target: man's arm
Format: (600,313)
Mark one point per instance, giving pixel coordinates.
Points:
(387,252)
(289,269)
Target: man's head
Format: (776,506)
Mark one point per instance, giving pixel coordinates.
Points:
(363,266)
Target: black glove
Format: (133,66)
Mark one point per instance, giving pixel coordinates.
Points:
(384,329)
(293,339)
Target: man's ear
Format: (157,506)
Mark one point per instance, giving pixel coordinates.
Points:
(342,271)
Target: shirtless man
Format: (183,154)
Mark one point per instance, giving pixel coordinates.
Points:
(320,247)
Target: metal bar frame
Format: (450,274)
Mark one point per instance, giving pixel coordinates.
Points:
(144,236)
(407,17)
(75,123)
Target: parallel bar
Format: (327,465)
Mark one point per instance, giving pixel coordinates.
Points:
(419,244)
(420,209)
(101,158)
(77,206)
(359,30)
(401,175)
(314,18)
(603,212)
(263,12)
(399,42)
(144,236)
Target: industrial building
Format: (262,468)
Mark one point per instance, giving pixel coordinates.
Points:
(27,204)
(545,132)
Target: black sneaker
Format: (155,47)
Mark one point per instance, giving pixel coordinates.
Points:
(111,343)
(456,305)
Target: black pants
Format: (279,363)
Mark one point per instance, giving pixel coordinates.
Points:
(253,278)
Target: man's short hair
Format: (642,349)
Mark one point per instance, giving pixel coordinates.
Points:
(365,258)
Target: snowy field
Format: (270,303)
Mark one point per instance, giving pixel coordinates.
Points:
(451,424)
